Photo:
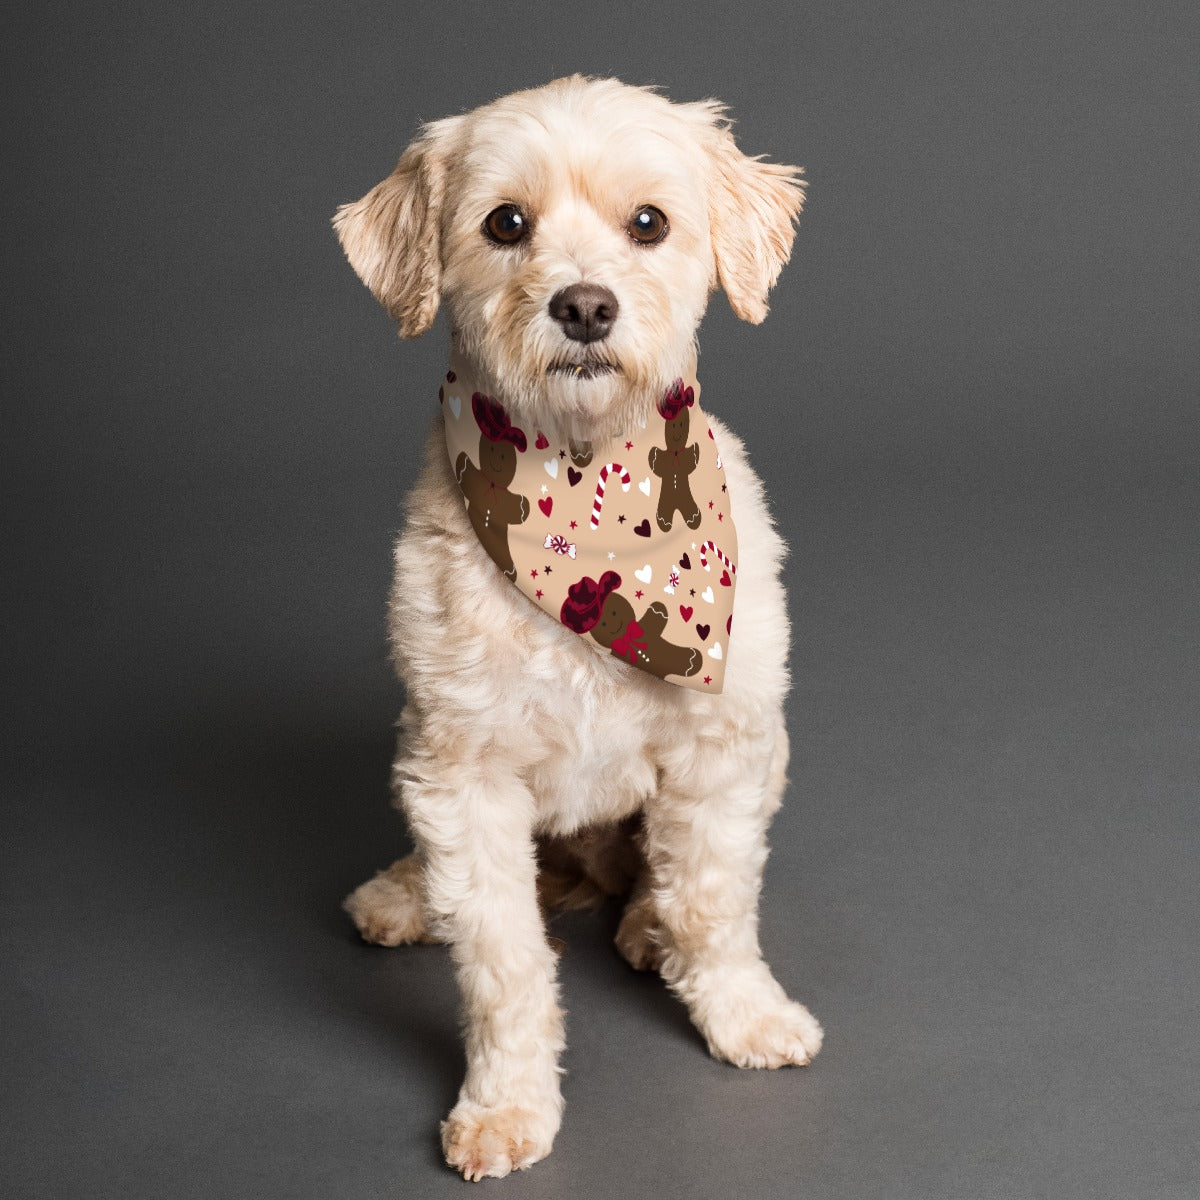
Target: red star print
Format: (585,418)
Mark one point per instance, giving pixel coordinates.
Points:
(638,594)
(628,445)
(720,516)
(710,504)
(574,524)
(538,593)
(533,573)
(708,679)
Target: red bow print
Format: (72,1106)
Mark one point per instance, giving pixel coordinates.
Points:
(626,645)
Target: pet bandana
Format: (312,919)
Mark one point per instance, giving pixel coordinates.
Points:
(629,541)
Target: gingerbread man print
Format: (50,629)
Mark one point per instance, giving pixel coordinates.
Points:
(597,607)
(491,507)
(675,464)
(581,452)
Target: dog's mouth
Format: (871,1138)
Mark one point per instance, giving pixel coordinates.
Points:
(583,370)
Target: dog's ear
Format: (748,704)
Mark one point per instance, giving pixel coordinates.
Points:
(753,207)
(392,235)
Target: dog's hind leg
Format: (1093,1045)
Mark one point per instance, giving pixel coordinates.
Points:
(389,910)
(582,870)
(706,845)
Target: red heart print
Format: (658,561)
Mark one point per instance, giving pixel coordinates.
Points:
(546,504)
(702,630)
(729,623)
(685,611)
(725,580)
(573,476)
(542,441)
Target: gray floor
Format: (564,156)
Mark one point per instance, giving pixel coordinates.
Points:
(984,883)
(974,406)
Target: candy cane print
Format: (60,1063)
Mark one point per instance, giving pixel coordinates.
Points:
(605,471)
(710,547)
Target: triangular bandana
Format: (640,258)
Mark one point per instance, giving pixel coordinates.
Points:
(630,541)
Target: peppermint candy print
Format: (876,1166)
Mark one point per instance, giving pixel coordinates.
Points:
(559,544)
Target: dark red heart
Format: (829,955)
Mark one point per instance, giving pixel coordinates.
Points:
(642,530)
(546,504)
(686,612)
(542,441)
(573,476)
(702,630)
(725,580)
(450,377)
(685,563)
(729,623)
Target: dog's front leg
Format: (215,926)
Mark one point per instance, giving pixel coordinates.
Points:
(474,828)
(706,848)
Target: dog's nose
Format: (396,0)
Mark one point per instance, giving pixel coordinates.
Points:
(586,311)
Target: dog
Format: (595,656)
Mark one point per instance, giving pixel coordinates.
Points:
(537,769)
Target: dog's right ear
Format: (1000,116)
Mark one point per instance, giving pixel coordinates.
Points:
(753,206)
(392,235)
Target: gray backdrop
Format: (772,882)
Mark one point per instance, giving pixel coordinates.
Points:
(975,408)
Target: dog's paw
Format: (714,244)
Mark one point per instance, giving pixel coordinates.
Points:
(636,939)
(389,909)
(484,1143)
(781,1034)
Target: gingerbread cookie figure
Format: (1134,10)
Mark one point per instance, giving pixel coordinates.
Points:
(674,464)
(491,507)
(596,607)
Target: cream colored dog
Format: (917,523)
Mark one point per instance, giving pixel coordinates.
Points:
(524,744)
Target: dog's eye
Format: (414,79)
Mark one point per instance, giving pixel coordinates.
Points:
(647,226)
(506,225)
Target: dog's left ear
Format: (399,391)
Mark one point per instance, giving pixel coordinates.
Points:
(392,235)
(753,207)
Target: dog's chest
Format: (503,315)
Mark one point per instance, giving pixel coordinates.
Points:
(597,762)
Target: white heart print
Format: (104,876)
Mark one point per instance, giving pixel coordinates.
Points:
(455,403)
(707,595)
(644,574)
(715,650)
(552,468)
(644,486)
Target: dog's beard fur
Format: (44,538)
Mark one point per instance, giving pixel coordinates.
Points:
(609,395)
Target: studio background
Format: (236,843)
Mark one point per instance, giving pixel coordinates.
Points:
(974,406)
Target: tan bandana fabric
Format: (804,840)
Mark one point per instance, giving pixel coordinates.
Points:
(630,542)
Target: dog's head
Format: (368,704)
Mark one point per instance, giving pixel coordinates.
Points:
(575,232)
